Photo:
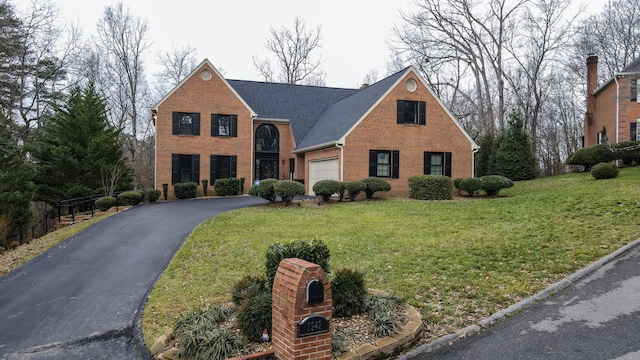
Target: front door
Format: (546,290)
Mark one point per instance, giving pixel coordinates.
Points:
(266,168)
(267,147)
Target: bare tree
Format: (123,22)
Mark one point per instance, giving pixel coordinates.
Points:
(371,77)
(175,66)
(293,51)
(122,42)
(613,34)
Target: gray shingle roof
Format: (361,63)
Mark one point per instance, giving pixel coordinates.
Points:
(634,66)
(317,115)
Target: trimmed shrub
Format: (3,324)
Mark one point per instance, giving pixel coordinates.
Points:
(153,195)
(246,286)
(185,190)
(342,190)
(201,336)
(105,203)
(591,155)
(471,185)
(604,171)
(348,293)
(326,188)
(456,184)
(227,186)
(627,151)
(430,187)
(374,185)
(205,186)
(492,184)
(130,198)
(288,189)
(354,188)
(264,190)
(315,251)
(254,316)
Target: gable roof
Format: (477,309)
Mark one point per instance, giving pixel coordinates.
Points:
(632,69)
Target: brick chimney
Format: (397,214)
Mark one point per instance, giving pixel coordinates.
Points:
(364,86)
(592,85)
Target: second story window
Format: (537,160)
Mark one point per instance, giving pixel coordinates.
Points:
(224,125)
(186,123)
(412,112)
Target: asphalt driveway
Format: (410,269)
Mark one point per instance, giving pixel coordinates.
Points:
(80,299)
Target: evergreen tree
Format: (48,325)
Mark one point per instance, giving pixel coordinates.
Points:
(16,187)
(77,151)
(486,159)
(514,157)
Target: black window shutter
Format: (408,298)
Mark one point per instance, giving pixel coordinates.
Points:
(447,164)
(214,125)
(234,125)
(233,163)
(213,171)
(196,123)
(373,163)
(400,119)
(195,168)
(175,168)
(395,164)
(422,114)
(633,128)
(427,163)
(176,123)
(633,89)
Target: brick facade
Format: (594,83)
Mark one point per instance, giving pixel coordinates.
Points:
(376,130)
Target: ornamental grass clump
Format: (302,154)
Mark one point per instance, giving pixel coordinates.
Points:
(201,336)
(386,313)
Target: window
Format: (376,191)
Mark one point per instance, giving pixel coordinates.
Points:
(384,163)
(634,89)
(224,125)
(437,163)
(223,166)
(412,112)
(186,123)
(602,137)
(634,131)
(185,168)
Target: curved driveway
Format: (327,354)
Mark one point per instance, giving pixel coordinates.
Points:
(80,299)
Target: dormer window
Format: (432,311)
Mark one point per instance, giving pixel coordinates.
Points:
(411,112)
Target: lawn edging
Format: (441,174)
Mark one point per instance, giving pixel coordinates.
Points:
(519,306)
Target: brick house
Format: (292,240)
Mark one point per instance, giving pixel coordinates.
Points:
(209,127)
(614,106)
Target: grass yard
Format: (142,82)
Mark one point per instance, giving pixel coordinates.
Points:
(456,261)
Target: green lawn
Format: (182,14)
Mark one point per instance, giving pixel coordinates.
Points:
(456,261)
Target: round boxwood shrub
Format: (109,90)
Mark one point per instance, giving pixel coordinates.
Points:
(354,188)
(287,189)
(130,198)
(185,190)
(374,185)
(471,185)
(326,188)
(314,251)
(604,171)
(153,195)
(254,316)
(264,190)
(430,187)
(105,203)
(227,186)
(348,293)
(492,184)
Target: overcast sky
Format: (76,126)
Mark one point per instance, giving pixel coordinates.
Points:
(355,33)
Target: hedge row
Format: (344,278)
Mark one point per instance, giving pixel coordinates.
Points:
(371,185)
(490,184)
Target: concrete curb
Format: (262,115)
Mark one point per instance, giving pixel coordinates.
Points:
(511,310)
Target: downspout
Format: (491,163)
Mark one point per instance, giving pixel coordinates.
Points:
(473,161)
(617,109)
(154,117)
(341,173)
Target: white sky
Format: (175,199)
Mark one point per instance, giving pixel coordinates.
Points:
(355,33)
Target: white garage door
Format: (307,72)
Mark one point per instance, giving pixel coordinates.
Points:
(322,170)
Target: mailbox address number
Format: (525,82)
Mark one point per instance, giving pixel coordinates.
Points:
(313,325)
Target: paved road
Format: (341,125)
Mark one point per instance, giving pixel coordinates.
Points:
(597,317)
(80,299)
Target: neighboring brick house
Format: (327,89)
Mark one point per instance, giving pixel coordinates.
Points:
(614,106)
(209,127)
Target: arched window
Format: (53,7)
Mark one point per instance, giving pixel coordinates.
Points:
(267,138)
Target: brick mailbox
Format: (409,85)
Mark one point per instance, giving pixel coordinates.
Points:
(302,310)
